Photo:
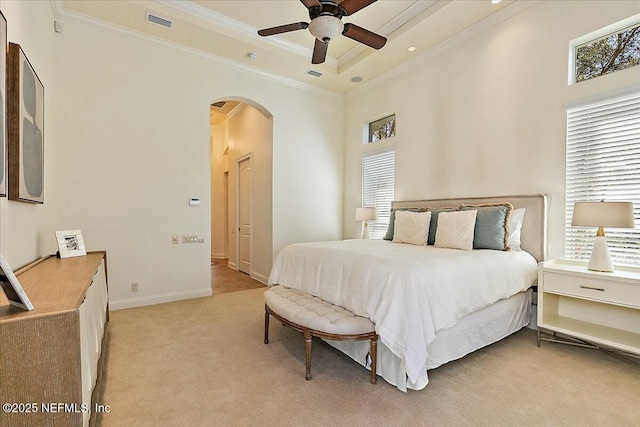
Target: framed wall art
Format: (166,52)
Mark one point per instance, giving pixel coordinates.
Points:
(25,108)
(70,243)
(3,106)
(12,288)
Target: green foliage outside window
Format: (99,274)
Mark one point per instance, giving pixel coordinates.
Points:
(383,128)
(608,54)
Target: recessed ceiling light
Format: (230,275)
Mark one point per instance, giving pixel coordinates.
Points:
(495,1)
(356,79)
(411,48)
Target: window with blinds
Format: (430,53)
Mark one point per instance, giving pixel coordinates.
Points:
(378,188)
(603,163)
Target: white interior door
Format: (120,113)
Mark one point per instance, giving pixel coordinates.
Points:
(244,215)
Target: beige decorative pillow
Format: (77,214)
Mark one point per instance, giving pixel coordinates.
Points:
(456,229)
(412,227)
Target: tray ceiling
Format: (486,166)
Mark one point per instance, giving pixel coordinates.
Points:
(228,30)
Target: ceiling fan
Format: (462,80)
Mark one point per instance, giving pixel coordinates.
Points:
(326,23)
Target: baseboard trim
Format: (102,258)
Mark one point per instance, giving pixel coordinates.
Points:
(157,299)
(232,265)
(259,277)
(219,256)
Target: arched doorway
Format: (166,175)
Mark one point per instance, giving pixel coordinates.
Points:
(242,129)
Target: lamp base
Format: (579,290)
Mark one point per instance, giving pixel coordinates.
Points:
(600,257)
(365,230)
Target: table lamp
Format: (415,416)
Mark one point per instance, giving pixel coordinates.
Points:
(366,215)
(602,214)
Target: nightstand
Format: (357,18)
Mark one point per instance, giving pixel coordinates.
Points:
(589,308)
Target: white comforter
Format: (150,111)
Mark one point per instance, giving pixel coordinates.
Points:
(410,292)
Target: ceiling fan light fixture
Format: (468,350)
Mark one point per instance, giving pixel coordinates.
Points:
(325,28)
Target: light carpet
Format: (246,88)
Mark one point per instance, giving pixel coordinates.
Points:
(203,362)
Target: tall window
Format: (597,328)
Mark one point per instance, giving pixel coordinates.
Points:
(603,162)
(378,188)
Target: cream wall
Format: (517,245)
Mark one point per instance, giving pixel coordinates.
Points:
(27,230)
(485,115)
(134,128)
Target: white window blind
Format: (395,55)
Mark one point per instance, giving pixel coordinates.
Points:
(378,188)
(603,163)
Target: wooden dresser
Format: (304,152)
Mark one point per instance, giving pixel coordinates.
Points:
(51,358)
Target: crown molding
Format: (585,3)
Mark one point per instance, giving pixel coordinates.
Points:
(57,6)
(470,32)
(236,110)
(64,14)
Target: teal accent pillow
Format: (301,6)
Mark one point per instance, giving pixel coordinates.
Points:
(434,222)
(392,220)
(492,226)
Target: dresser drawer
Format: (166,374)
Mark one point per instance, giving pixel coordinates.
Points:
(601,290)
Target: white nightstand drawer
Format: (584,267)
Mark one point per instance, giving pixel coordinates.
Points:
(601,290)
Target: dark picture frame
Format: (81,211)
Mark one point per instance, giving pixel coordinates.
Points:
(25,108)
(3,107)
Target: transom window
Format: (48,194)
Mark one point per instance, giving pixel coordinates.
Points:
(382,129)
(613,52)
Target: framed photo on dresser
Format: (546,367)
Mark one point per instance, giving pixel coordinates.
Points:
(12,288)
(70,243)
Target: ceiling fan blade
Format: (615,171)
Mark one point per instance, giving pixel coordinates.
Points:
(311,3)
(349,7)
(283,29)
(361,35)
(319,52)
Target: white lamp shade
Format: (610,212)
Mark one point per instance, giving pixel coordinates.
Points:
(603,214)
(366,214)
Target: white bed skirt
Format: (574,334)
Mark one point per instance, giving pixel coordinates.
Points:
(472,332)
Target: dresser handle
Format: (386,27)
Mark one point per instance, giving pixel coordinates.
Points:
(593,289)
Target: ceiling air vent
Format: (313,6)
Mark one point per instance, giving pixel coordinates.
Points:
(219,104)
(158,20)
(314,73)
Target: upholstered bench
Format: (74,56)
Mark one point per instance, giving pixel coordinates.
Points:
(315,317)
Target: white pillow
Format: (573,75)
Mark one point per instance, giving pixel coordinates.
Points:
(515,227)
(455,229)
(412,227)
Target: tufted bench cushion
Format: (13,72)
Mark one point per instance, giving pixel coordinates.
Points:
(315,313)
(316,317)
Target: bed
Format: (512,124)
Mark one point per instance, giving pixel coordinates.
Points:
(431,304)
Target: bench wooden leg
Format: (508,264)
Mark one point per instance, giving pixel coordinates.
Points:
(307,352)
(266,326)
(374,358)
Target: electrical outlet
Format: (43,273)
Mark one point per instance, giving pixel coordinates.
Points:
(134,287)
(175,239)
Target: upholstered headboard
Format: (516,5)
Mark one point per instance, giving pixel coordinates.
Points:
(534,227)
